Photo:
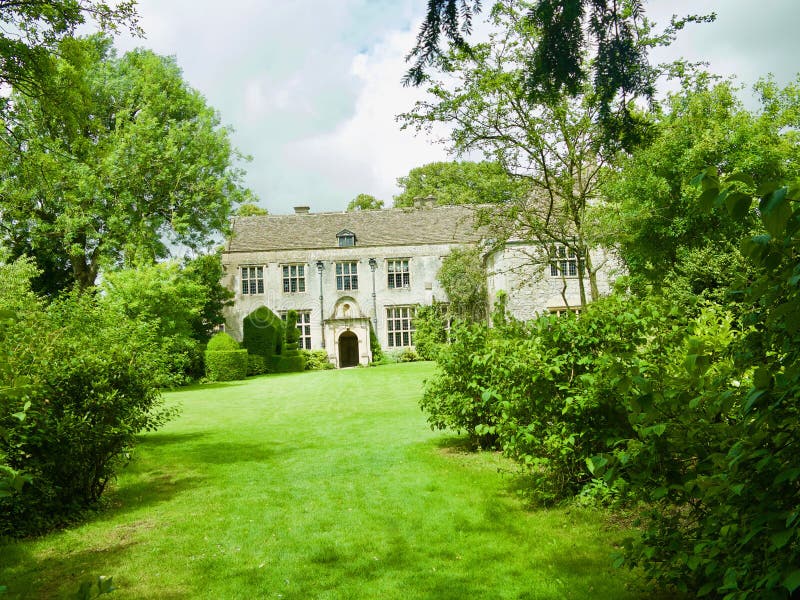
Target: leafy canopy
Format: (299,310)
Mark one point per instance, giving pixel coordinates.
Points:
(135,164)
(459,182)
(364,202)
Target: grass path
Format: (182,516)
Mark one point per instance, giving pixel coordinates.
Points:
(318,485)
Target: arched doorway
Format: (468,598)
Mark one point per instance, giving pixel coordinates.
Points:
(348,349)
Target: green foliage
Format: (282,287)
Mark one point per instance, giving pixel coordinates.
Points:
(103,585)
(79,380)
(364,202)
(226,365)
(375,345)
(657,216)
(317,360)
(129,130)
(555,59)
(724,517)
(459,183)
(291,359)
(552,151)
(256,365)
(430,329)
(250,209)
(182,302)
(222,342)
(263,334)
(463,277)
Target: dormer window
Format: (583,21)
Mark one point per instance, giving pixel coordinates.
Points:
(346,238)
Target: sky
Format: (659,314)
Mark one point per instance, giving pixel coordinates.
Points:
(311,88)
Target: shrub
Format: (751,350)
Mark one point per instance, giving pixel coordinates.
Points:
(256,365)
(222,342)
(79,381)
(375,345)
(226,365)
(317,360)
(430,329)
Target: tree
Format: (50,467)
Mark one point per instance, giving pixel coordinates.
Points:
(364,202)
(463,277)
(663,232)
(33,29)
(182,303)
(136,163)
(552,147)
(459,183)
(249,209)
(555,63)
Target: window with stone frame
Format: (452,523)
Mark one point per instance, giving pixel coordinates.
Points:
(252,279)
(346,238)
(399,276)
(564,262)
(304,325)
(400,326)
(347,276)
(294,279)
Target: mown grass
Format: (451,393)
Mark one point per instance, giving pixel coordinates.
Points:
(320,485)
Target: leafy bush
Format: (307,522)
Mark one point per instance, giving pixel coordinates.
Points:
(721,464)
(375,345)
(430,329)
(317,360)
(182,302)
(79,381)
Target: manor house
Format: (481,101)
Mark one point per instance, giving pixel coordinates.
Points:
(346,271)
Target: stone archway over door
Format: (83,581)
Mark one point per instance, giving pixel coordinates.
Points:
(348,349)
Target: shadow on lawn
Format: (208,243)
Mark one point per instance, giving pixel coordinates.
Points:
(58,576)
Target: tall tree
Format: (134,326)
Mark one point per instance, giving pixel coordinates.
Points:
(553,147)
(364,202)
(136,163)
(462,182)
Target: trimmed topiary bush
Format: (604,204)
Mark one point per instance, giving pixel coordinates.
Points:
(222,342)
(263,335)
(291,359)
(226,365)
(225,359)
(256,365)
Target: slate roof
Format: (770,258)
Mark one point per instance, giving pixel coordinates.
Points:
(389,227)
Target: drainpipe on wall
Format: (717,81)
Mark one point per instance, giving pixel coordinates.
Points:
(320,269)
(373,264)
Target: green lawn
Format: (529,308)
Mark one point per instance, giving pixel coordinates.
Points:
(319,485)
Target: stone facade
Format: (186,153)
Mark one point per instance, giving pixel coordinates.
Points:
(523,272)
(346,271)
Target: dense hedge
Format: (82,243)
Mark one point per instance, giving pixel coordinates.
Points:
(226,365)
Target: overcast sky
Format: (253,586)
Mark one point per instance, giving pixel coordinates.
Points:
(312,87)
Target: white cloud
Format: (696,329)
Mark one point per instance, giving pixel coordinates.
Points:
(367,152)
